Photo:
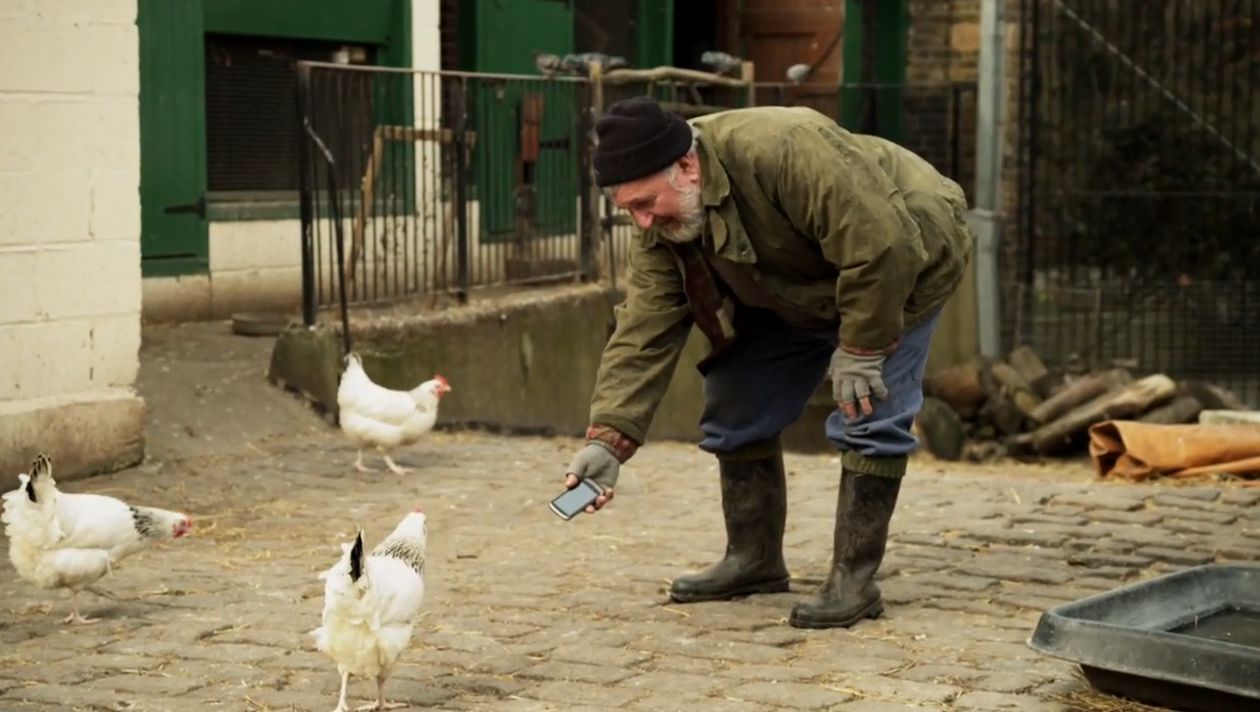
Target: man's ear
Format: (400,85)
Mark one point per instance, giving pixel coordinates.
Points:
(689,168)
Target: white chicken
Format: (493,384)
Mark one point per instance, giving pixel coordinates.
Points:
(371,604)
(383,418)
(63,540)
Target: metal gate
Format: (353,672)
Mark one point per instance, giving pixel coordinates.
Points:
(1139,187)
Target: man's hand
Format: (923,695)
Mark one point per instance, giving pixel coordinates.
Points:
(594,462)
(855,378)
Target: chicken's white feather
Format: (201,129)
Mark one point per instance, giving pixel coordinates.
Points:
(384,418)
(367,623)
(64,540)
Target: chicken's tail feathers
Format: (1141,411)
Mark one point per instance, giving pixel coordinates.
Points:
(41,466)
(40,481)
(30,510)
(356,557)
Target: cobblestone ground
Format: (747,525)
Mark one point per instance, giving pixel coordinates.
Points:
(526,612)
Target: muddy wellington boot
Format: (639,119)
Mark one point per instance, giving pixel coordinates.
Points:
(754,503)
(864,509)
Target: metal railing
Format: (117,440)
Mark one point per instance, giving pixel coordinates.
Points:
(437,182)
(1139,180)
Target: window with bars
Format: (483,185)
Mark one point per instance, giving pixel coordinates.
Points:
(252,129)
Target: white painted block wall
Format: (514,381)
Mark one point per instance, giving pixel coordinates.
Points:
(70,210)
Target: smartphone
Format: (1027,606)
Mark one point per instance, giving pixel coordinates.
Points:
(572,502)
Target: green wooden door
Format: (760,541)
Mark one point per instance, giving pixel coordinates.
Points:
(507,36)
(873,89)
(172,137)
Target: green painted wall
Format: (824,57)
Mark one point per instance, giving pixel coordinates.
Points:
(172,98)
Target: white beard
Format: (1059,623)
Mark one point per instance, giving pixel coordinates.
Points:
(690,224)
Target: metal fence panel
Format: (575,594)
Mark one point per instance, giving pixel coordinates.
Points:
(1140,182)
(444,181)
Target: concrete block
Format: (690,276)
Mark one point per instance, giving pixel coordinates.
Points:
(111,140)
(70,13)
(255,244)
(66,133)
(270,290)
(46,359)
(115,205)
(21,286)
(44,206)
(116,350)
(1230,417)
(16,125)
(522,363)
(51,53)
(185,298)
(90,279)
(92,432)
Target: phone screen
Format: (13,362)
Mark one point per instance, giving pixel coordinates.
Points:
(570,503)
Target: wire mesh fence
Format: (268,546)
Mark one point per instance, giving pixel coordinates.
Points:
(1139,187)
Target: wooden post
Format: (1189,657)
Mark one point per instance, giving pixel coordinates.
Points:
(367,189)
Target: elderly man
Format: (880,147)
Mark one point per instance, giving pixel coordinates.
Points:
(801,251)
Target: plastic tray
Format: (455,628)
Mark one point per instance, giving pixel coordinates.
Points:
(1188,640)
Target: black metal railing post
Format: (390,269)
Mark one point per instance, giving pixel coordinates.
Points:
(305,201)
(588,204)
(460,178)
(334,207)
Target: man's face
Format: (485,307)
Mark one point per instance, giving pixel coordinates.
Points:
(669,203)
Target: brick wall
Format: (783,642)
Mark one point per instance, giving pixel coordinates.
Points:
(70,230)
(942,58)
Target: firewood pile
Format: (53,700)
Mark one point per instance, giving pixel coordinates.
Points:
(989,408)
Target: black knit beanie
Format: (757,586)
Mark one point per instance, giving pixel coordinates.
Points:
(637,138)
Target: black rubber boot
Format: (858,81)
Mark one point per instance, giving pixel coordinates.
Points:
(754,503)
(864,509)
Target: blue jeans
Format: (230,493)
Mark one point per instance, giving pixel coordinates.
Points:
(761,385)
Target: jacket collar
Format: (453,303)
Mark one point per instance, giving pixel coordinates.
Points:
(716,184)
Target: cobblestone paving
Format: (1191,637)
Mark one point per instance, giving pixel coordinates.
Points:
(526,612)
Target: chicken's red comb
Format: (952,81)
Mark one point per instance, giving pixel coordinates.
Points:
(440,379)
(418,509)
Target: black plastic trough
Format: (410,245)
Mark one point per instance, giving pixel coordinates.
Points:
(1188,640)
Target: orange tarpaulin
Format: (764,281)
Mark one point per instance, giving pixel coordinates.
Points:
(1138,451)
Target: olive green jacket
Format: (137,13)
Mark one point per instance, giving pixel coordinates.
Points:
(826,227)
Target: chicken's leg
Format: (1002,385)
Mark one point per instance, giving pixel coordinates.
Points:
(358,463)
(100,592)
(380,703)
(74,616)
(395,468)
(341,700)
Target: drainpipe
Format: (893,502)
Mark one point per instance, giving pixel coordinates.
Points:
(986,217)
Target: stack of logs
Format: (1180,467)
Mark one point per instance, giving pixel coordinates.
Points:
(988,408)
